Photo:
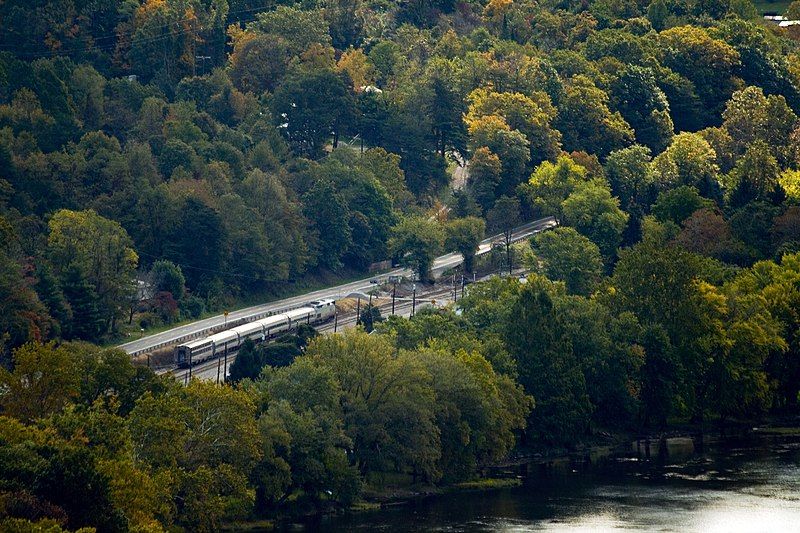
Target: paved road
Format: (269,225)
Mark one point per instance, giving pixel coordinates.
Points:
(203,327)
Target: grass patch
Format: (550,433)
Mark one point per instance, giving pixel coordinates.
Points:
(360,507)
(489,484)
(255,525)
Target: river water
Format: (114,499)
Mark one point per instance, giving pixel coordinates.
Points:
(747,484)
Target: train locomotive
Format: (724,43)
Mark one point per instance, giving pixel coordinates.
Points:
(228,341)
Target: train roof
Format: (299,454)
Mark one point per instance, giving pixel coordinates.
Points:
(197,343)
(224,336)
(272,321)
(247,329)
(300,312)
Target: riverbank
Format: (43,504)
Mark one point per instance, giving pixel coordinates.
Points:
(738,484)
(543,464)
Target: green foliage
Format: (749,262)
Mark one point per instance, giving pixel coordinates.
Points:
(548,368)
(227,149)
(85,246)
(568,256)
(390,416)
(167,276)
(676,205)
(464,235)
(416,241)
(309,105)
(592,211)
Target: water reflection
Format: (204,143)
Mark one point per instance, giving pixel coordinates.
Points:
(748,485)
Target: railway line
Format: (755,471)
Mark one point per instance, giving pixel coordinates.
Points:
(202,328)
(217,369)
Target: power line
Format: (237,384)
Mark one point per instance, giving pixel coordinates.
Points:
(191,267)
(57,52)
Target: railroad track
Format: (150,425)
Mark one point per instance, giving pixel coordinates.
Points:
(216,369)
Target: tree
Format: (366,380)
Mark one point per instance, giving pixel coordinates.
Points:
(196,242)
(464,235)
(751,225)
(305,406)
(688,160)
(299,28)
(503,217)
(551,183)
(258,62)
(167,276)
(568,256)
(44,380)
(370,317)
(477,410)
(511,147)
(633,181)
(793,11)
(644,106)
(547,366)
(786,228)
(606,348)
(87,320)
(385,167)
(706,232)
(23,318)
(328,212)
(596,214)
(355,63)
(205,439)
(98,248)
(663,286)
(248,362)
(661,373)
(751,116)
(532,115)
(309,105)
(444,105)
(676,205)
(709,63)
(416,241)
(484,176)
(755,176)
(586,121)
(390,416)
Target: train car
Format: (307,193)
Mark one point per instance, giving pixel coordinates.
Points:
(192,351)
(226,342)
(324,309)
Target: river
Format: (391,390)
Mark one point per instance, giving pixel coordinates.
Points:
(746,484)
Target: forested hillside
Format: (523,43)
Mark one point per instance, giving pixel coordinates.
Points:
(160,159)
(196,136)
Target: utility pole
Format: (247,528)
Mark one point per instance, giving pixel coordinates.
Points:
(219,361)
(413,298)
(225,366)
(203,67)
(394,292)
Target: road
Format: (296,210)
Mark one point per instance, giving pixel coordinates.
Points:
(203,327)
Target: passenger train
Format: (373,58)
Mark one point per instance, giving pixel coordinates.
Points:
(228,342)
